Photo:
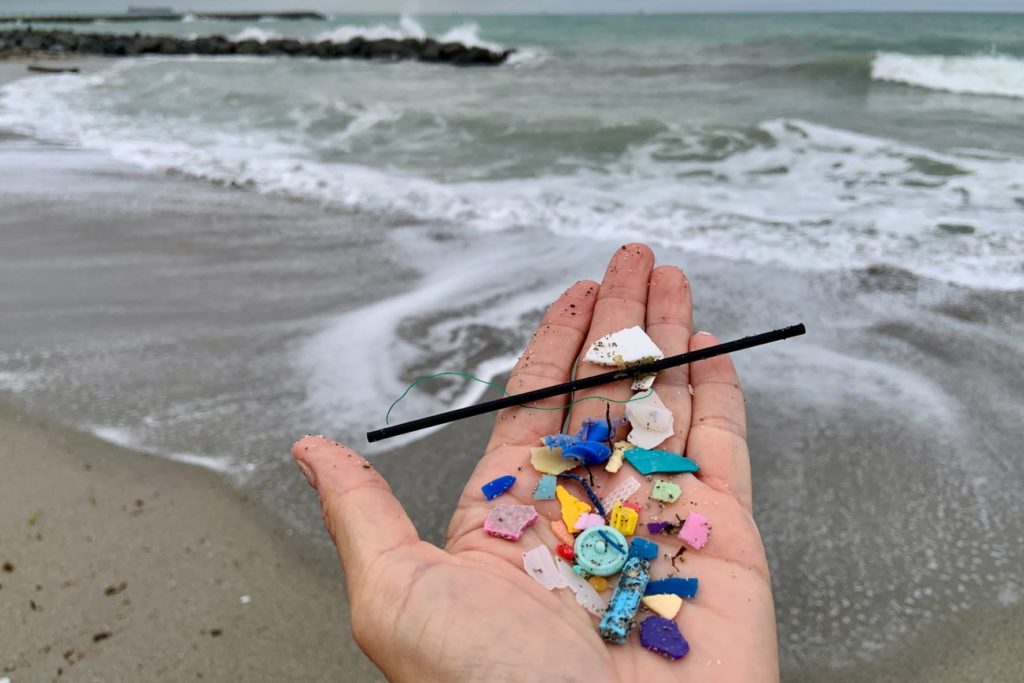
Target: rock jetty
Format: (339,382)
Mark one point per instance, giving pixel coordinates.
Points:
(22,42)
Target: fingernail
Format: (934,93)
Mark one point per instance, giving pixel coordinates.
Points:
(704,332)
(307,472)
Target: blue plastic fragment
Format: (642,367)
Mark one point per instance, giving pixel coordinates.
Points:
(593,429)
(661,635)
(684,588)
(653,461)
(493,489)
(625,600)
(588,452)
(545,488)
(562,441)
(644,549)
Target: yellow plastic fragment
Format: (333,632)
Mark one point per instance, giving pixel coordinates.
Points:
(599,583)
(624,519)
(550,461)
(572,507)
(614,463)
(666,605)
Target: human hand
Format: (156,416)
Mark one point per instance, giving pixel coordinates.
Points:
(469,612)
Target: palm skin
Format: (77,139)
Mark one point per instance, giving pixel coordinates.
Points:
(468,612)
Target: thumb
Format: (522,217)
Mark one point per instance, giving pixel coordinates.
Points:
(361,514)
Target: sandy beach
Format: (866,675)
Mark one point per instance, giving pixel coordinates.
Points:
(118,565)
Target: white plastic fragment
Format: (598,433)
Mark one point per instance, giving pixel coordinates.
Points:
(245,599)
(651,420)
(621,493)
(581,588)
(625,346)
(540,565)
(642,383)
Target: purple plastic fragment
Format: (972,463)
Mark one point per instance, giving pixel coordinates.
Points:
(493,489)
(661,635)
(657,527)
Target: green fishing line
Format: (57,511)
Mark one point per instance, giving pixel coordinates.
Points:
(452,373)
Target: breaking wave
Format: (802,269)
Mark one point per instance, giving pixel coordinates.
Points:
(992,74)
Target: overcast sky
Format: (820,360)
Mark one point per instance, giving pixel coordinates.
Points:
(517,6)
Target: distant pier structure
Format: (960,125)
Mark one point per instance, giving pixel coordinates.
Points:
(158,14)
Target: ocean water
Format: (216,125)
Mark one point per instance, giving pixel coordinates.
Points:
(863,173)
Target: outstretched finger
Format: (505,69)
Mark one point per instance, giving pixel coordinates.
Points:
(362,516)
(621,303)
(718,427)
(669,320)
(548,360)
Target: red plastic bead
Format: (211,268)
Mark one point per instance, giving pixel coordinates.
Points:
(566,552)
(631,504)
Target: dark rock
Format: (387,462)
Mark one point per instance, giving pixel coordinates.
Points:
(20,41)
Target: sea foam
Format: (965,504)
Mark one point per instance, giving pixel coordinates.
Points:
(991,74)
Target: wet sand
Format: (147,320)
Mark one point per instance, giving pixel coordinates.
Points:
(124,566)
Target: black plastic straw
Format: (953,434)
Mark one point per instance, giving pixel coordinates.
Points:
(585,383)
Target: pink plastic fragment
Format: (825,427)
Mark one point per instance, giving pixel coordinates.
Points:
(621,492)
(695,530)
(509,521)
(587,520)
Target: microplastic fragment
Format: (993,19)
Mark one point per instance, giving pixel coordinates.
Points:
(661,635)
(509,521)
(566,552)
(663,604)
(642,548)
(599,583)
(625,601)
(624,519)
(495,488)
(655,462)
(584,592)
(559,440)
(549,460)
(630,345)
(540,565)
(587,520)
(658,527)
(675,585)
(545,488)
(560,531)
(572,507)
(594,429)
(588,452)
(601,551)
(643,383)
(695,530)
(632,505)
(623,491)
(650,418)
(614,463)
(666,491)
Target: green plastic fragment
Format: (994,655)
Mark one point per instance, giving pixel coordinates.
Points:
(649,461)
(666,491)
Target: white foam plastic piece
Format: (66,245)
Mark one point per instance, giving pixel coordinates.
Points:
(643,383)
(651,420)
(539,563)
(621,493)
(584,592)
(629,345)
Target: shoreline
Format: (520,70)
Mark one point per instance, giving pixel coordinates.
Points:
(123,562)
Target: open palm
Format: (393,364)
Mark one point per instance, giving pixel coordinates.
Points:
(468,612)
